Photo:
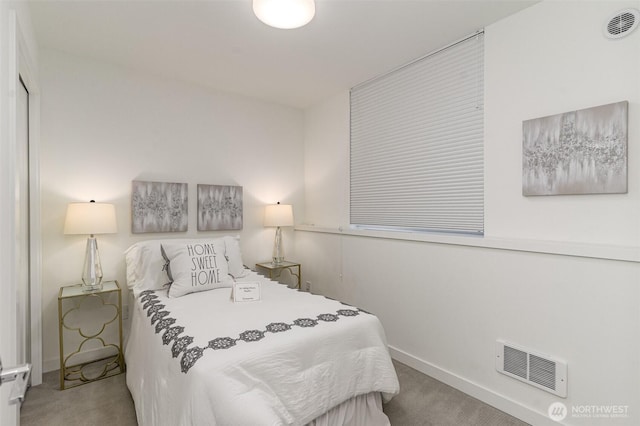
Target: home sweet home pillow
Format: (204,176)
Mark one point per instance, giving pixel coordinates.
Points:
(196,266)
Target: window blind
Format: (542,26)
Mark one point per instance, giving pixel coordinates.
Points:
(416,159)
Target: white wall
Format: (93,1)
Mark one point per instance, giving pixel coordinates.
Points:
(541,62)
(445,300)
(103,127)
(326,159)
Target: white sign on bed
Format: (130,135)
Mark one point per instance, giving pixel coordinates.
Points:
(246,292)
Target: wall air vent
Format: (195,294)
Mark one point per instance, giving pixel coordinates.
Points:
(538,370)
(621,23)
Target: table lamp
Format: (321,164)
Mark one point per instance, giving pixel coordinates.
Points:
(278,215)
(91,218)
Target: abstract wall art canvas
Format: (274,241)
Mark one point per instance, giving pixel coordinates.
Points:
(577,152)
(159,207)
(219,207)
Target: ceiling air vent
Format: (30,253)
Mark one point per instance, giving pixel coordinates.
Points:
(538,370)
(622,23)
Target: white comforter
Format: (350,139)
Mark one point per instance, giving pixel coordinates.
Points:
(310,355)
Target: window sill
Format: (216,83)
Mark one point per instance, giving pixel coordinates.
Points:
(595,251)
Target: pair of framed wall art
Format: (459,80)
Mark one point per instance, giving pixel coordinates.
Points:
(163,207)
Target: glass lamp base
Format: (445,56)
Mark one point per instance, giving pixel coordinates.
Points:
(88,287)
(278,251)
(92,270)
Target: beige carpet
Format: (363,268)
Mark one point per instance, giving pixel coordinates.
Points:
(422,401)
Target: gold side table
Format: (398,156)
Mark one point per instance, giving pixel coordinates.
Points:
(73,304)
(275,271)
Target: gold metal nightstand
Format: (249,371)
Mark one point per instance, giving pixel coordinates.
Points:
(87,317)
(276,270)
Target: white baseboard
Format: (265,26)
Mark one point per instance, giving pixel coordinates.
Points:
(485,395)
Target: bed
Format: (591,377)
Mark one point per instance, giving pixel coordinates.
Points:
(195,357)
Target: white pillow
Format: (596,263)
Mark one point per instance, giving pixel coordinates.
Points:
(234,256)
(197,265)
(144,266)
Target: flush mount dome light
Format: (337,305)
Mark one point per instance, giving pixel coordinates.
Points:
(284,14)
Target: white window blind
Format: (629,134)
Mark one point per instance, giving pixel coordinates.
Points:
(417,144)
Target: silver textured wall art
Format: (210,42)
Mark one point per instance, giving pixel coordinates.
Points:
(219,207)
(577,152)
(159,207)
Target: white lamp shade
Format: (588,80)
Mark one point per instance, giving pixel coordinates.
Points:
(285,14)
(90,218)
(278,215)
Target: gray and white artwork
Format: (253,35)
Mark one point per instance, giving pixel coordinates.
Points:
(219,207)
(578,152)
(159,207)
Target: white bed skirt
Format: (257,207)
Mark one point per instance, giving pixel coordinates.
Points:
(363,410)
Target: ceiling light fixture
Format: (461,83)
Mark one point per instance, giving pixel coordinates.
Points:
(285,14)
